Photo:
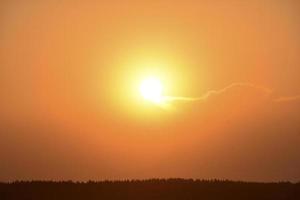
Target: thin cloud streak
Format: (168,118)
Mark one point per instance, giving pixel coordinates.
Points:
(287,99)
(210,93)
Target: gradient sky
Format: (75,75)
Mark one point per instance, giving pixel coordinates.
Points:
(69,108)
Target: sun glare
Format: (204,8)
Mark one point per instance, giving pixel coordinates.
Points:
(151,90)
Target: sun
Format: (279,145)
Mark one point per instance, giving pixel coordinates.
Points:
(151,90)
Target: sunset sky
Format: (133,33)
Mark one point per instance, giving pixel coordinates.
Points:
(71,105)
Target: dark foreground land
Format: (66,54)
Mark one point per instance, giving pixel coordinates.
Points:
(154,189)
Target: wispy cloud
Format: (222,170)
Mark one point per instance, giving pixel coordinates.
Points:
(264,90)
(287,98)
(243,92)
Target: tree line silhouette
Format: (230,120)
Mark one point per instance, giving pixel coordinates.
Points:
(151,189)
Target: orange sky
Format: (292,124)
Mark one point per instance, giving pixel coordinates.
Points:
(69,108)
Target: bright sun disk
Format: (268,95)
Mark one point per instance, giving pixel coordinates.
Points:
(151,90)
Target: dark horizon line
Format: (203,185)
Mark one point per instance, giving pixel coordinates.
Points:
(194,180)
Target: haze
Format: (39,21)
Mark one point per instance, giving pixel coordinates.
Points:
(69,79)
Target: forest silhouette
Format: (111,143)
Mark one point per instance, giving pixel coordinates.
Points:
(158,189)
